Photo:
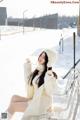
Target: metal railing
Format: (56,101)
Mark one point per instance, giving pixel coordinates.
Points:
(71,69)
(70,110)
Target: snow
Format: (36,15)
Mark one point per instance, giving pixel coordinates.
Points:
(14,49)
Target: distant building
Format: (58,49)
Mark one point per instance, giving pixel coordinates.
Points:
(3,15)
(47,21)
(13,21)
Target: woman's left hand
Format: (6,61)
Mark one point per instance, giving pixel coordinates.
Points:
(50,73)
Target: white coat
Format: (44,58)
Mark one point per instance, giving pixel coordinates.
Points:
(42,99)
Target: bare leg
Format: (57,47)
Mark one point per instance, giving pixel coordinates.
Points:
(17,104)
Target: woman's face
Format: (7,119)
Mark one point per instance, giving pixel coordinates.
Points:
(41,58)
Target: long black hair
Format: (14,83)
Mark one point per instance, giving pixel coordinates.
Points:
(41,78)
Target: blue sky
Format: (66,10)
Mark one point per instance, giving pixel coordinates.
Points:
(36,8)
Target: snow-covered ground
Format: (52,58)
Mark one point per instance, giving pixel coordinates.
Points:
(14,49)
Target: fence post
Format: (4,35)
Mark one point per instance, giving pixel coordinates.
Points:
(74,52)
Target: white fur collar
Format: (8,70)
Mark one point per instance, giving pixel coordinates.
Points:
(40,68)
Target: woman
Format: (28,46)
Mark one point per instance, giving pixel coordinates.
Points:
(39,84)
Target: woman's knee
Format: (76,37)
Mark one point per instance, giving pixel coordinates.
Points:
(14,98)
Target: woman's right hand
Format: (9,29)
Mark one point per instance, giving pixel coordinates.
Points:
(28,60)
(27,69)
